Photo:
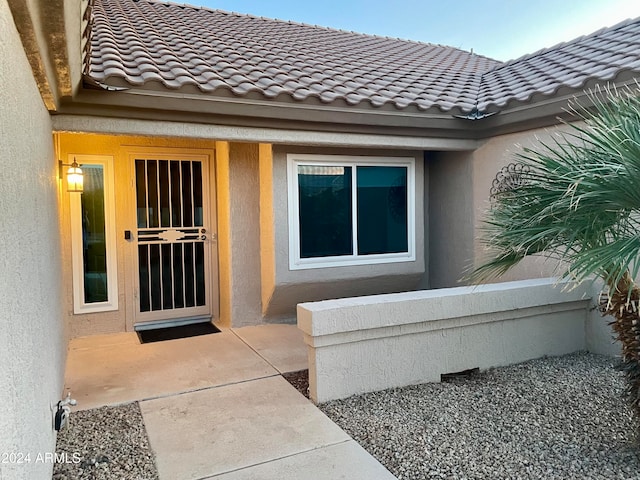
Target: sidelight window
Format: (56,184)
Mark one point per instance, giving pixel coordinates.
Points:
(93,238)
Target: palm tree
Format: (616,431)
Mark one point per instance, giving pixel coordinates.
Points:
(576,199)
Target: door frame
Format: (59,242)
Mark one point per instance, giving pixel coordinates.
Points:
(131,153)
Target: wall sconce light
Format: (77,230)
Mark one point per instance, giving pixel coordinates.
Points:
(75,178)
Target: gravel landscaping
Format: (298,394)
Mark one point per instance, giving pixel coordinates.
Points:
(299,380)
(105,443)
(552,418)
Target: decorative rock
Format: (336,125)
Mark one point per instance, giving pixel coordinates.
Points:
(553,418)
(104,444)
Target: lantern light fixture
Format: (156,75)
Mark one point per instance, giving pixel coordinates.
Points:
(75,177)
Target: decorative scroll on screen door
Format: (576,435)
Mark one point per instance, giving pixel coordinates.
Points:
(171,234)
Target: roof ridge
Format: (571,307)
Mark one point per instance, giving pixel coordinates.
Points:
(310,25)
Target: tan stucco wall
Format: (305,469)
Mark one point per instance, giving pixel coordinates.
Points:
(118,147)
(386,341)
(252,279)
(451,232)
(487,162)
(244,225)
(286,288)
(460,185)
(32,344)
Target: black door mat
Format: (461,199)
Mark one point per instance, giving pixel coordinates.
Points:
(173,333)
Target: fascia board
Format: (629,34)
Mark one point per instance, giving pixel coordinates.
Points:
(232,107)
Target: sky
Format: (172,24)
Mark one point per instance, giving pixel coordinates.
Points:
(500,29)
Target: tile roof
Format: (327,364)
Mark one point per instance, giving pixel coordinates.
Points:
(153,44)
(599,57)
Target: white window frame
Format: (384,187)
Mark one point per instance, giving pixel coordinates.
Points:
(79,305)
(298,263)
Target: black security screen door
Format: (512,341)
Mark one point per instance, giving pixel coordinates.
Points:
(171,238)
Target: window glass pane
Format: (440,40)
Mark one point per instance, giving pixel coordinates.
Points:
(176,194)
(178,275)
(93,235)
(155,277)
(382,210)
(325,211)
(189,275)
(167,281)
(145,277)
(199,265)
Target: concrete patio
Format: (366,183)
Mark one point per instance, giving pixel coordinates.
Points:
(216,406)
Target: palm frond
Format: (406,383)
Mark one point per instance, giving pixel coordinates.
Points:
(579,198)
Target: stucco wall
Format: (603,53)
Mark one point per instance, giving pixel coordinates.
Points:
(460,186)
(32,345)
(487,161)
(245,234)
(451,231)
(600,337)
(287,288)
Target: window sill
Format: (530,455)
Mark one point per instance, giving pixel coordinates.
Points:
(330,262)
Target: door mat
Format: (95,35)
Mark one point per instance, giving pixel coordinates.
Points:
(173,333)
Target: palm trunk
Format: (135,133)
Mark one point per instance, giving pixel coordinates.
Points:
(623,304)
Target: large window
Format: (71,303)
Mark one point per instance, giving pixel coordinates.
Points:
(93,238)
(350,210)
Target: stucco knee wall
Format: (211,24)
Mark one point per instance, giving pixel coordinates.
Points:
(358,345)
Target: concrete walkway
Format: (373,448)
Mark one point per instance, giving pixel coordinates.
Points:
(216,406)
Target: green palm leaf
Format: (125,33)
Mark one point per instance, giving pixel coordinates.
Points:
(579,197)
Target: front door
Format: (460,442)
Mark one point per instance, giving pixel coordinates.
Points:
(172,239)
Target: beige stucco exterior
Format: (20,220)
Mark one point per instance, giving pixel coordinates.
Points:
(359,345)
(251,283)
(488,159)
(32,342)
(243,231)
(460,188)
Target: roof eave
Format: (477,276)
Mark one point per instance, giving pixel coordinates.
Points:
(251,112)
(176,106)
(546,110)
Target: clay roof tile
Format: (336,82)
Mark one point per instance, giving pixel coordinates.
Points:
(150,41)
